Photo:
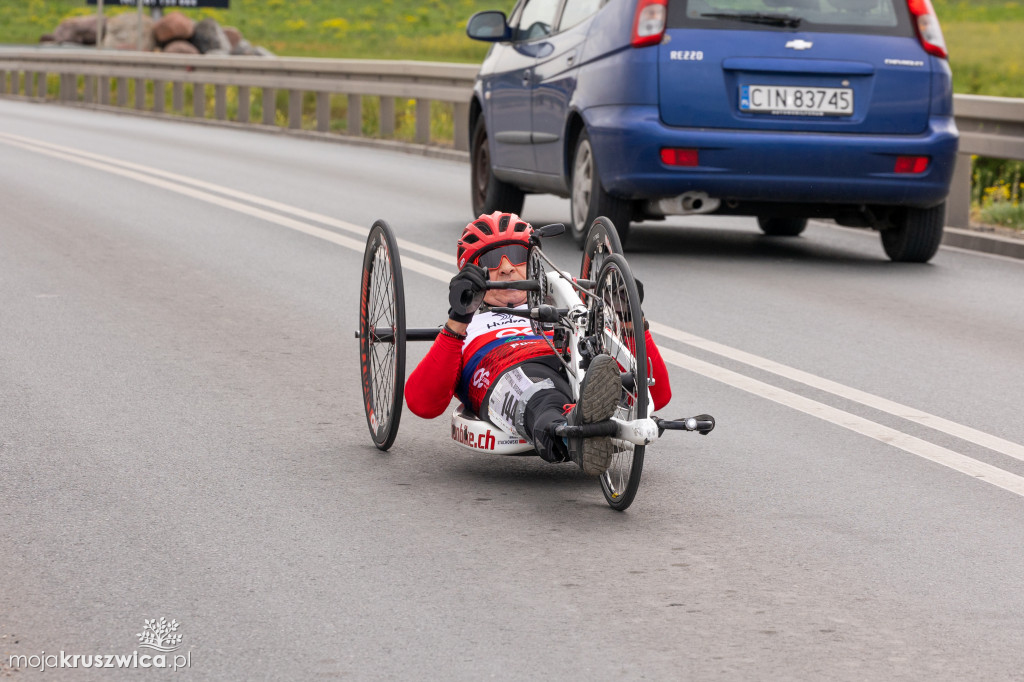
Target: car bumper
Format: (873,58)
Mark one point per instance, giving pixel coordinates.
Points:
(757,165)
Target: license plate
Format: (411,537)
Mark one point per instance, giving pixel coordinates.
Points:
(787,100)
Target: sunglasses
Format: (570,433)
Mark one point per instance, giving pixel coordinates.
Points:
(516,254)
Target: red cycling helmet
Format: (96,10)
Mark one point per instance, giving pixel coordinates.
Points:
(491,232)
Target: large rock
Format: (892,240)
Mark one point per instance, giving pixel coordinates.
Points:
(180,47)
(244,49)
(234,36)
(80,30)
(122,32)
(209,37)
(173,26)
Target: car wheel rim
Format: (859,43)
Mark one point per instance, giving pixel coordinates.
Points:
(582,181)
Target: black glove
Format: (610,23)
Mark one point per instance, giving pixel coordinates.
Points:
(466,292)
(639,289)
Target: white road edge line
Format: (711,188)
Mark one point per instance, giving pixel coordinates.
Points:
(907,443)
(227,191)
(911,444)
(932,421)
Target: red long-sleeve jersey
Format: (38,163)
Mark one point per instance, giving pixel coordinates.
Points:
(495,342)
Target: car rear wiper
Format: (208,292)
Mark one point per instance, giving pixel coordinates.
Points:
(757,18)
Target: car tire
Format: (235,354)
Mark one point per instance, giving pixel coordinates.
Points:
(489,194)
(588,199)
(781,227)
(916,235)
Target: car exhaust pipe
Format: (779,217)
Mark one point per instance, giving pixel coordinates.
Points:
(689,203)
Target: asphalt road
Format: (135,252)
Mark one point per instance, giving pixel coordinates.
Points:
(181,437)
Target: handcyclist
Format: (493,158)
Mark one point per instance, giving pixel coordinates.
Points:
(482,356)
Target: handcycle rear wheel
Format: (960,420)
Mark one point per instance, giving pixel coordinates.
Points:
(618,323)
(382,335)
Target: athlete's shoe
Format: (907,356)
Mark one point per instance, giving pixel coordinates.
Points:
(599,394)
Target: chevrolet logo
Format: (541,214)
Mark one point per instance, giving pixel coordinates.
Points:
(800,44)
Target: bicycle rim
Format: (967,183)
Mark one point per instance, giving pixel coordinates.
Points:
(618,321)
(382,335)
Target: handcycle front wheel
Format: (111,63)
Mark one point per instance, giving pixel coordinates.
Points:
(382,335)
(602,239)
(617,321)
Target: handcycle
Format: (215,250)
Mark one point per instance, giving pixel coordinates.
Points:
(580,317)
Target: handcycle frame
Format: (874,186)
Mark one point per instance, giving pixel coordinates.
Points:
(579,317)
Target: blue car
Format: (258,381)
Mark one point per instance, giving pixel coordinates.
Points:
(780,109)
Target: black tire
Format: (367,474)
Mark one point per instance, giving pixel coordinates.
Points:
(781,227)
(489,194)
(602,239)
(617,321)
(382,335)
(588,200)
(916,236)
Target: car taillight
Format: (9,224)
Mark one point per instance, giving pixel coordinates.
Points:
(649,22)
(928,30)
(674,156)
(911,164)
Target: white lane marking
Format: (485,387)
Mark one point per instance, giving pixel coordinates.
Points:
(305,228)
(244,196)
(863,426)
(932,421)
(866,427)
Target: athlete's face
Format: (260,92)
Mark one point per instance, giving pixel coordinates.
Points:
(506,272)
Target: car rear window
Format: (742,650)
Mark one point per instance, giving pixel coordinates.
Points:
(885,17)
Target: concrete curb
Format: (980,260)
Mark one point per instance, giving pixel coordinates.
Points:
(984,242)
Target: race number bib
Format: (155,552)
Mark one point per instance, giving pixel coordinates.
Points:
(509,397)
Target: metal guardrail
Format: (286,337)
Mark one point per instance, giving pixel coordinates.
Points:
(989,126)
(97,78)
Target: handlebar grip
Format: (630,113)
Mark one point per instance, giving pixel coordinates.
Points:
(520,285)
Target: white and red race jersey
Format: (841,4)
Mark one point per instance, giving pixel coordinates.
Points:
(495,342)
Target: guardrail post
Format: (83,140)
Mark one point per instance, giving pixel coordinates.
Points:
(958,204)
(355,115)
(159,96)
(3,82)
(461,126)
(269,106)
(178,96)
(423,121)
(30,83)
(65,85)
(122,91)
(295,109)
(244,102)
(104,90)
(387,116)
(90,89)
(199,100)
(140,94)
(220,102)
(323,111)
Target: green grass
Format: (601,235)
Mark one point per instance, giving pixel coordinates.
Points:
(389,29)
